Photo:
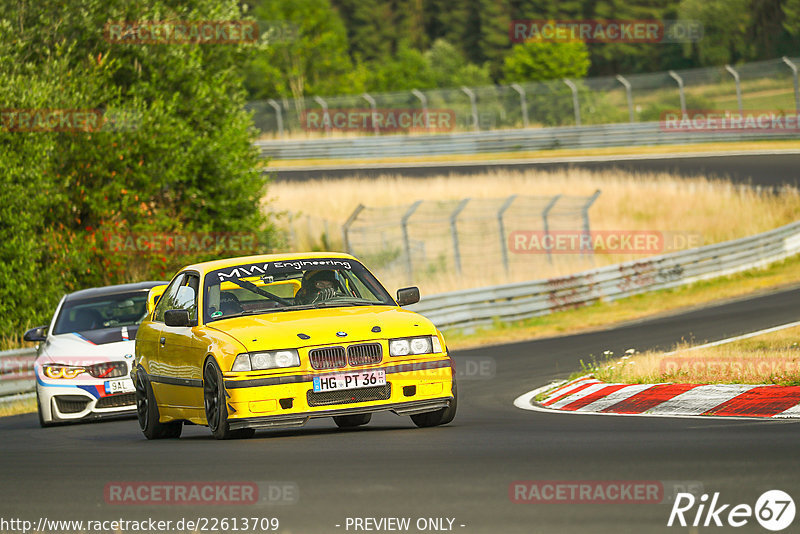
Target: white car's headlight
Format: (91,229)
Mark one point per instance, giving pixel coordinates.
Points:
(61,371)
(276,359)
(414,345)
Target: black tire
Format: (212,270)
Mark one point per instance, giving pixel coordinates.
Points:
(352,421)
(147,411)
(439,417)
(217,407)
(42,422)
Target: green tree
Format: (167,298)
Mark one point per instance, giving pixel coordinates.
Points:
(725,24)
(183,160)
(540,60)
(451,69)
(313,61)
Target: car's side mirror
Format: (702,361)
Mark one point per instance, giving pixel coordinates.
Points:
(152,297)
(177,318)
(36,334)
(407,295)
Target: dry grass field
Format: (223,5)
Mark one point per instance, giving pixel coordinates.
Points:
(772,358)
(713,210)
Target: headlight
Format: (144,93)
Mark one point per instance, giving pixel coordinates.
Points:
(276,359)
(414,345)
(62,371)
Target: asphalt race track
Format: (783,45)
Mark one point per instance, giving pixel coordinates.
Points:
(771,170)
(461,471)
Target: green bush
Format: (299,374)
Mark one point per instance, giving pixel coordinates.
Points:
(182,161)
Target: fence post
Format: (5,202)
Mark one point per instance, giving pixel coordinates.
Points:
(325,113)
(406,243)
(374,109)
(454,233)
(575,104)
(502,228)
(792,66)
(585,216)
(424,101)
(346,227)
(474,105)
(629,95)
(738,87)
(545,214)
(522,103)
(674,75)
(277,109)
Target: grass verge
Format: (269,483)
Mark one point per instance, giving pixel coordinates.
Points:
(16,407)
(772,358)
(603,314)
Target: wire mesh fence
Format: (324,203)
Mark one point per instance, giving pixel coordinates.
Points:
(427,239)
(763,85)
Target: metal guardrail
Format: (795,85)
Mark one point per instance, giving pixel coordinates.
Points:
(16,372)
(511,302)
(519,140)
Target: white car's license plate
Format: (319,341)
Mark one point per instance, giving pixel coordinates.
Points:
(119,386)
(353,380)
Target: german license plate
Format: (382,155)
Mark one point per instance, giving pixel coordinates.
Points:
(119,386)
(353,380)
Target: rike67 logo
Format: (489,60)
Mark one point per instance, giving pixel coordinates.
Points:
(774,510)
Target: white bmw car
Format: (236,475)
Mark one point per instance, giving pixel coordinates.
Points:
(84,357)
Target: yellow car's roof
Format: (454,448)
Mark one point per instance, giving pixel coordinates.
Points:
(213,265)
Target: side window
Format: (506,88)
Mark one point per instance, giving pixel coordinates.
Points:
(169,298)
(187,295)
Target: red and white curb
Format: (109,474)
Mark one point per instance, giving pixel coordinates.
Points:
(591,396)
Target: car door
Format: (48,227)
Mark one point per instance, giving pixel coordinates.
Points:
(181,350)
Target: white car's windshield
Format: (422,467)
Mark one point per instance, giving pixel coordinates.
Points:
(290,285)
(83,315)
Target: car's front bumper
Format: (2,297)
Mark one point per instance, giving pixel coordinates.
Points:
(289,400)
(73,403)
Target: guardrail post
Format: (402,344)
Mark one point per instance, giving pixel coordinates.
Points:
(424,101)
(629,95)
(522,103)
(473,103)
(406,242)
(454,233)
(735,75)
(278,113)
(575,104)
(501,227)
(545,214)
(674,75)
(346,227)
(374,109)
(585,216)
(792,66)
(325,113)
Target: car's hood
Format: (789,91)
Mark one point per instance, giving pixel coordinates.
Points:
(324,326)
(88,348)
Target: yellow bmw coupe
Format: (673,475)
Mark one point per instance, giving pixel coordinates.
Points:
(272,341)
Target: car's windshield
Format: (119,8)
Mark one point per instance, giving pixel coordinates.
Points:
(83,315)
(267,287)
